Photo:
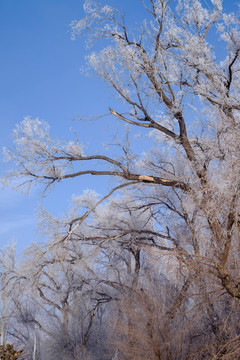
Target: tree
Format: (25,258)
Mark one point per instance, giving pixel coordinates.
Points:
(8,277)
(174,83)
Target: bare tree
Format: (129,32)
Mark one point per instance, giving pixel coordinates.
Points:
(165,66)
(175,86)
(8,275)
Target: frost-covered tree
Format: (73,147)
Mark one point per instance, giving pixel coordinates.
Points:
(181,86)
(7,277)
(174,82)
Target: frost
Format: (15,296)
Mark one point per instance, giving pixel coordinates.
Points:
(75,149)
(7,155)
(88,199)
(179,188)
(107,10)
(38,155)
(228,19)
(218,4)
(54,172)
(30,128)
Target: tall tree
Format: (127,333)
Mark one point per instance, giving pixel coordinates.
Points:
(177,84)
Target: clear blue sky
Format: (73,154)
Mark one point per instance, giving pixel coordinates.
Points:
(40,77)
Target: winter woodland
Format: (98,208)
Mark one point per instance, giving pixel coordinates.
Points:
(150,269)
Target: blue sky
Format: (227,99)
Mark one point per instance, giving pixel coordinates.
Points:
(40,77)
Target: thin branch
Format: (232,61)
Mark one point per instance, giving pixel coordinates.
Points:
(151,124)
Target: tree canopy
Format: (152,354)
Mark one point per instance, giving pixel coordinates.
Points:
(157,257)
